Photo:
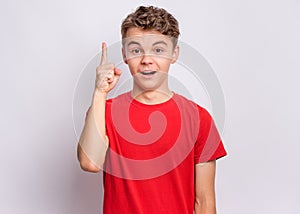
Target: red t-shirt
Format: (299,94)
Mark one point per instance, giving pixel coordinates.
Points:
(153,149)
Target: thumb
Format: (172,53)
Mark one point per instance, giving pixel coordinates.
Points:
(117,71)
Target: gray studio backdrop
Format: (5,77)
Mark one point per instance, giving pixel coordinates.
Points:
(252,46)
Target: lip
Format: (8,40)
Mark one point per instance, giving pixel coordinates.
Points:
(148,73)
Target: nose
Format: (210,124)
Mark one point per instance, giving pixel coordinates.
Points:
(147,59)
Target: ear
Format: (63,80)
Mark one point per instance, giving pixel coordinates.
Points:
(175,54)
(124,56)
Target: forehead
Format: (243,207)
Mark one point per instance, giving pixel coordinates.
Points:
(134,31)
(145,37)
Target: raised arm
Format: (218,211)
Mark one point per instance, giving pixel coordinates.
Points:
(205,188)
(93,142)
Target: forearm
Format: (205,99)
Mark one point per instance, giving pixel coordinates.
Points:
(205,207)
(205,202)
(93,142)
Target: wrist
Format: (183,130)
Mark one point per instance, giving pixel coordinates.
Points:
(99,95)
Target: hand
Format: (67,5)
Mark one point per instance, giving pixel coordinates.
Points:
(107,75)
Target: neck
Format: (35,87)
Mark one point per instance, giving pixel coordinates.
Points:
(152,96)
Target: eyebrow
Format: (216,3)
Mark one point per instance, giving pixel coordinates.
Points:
(160,42)
(155,43)
(133,43)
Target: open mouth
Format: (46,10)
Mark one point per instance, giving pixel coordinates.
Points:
(148,72)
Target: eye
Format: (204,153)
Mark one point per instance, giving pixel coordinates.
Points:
(158,50)
(136,51)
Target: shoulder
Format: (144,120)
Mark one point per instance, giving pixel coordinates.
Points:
(203,112)
(120,98)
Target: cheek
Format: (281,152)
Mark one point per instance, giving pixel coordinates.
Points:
(164,64)
(132,65)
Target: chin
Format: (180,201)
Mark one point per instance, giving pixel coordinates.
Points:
(148,87)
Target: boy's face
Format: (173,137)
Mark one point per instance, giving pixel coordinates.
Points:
(149,55)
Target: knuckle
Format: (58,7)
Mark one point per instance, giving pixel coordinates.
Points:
(99,68)
(110,65)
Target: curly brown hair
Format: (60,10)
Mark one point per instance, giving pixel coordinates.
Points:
(151,18)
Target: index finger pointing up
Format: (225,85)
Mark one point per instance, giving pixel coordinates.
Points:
(104,54)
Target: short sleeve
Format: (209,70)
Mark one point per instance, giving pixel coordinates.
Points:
(209,145)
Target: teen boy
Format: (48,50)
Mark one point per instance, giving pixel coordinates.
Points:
(156,148)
